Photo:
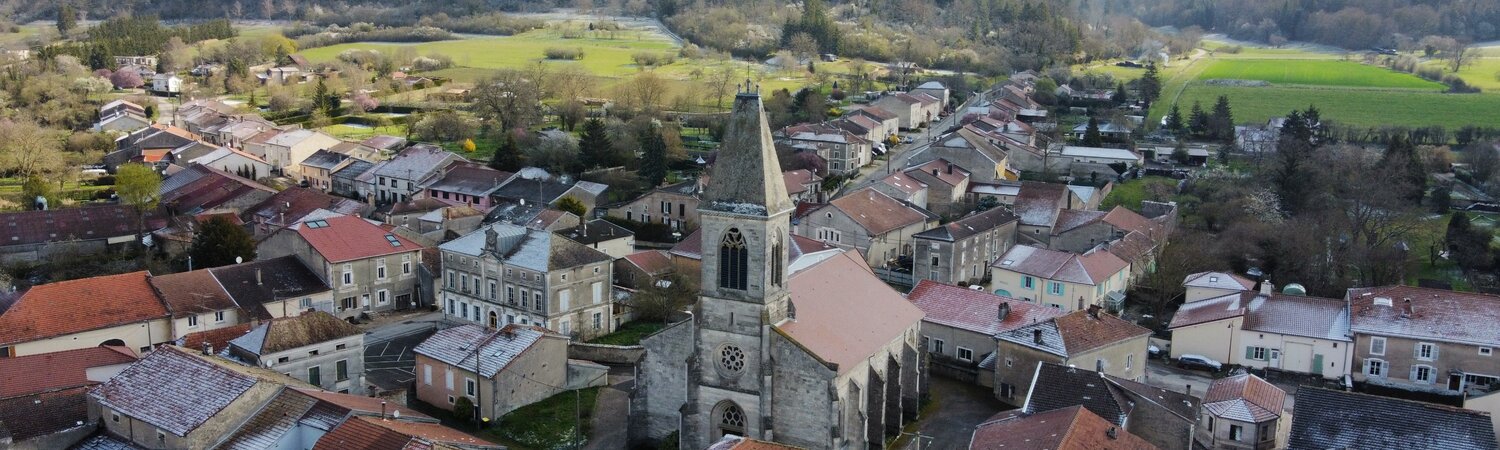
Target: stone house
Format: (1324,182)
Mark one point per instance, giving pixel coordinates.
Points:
(1067,281)
(1070,428)
(962,250)
(269,288)
(983,160)
(803,185)
(675,205)
(504,274)
(845,152)
(318,168)
(879,226)
(1241,412)
(1166,419)
(1327,418)
(122,122)
(934,89)
(1090,338)
(401,177)
(1213,284)
(1426,340)
(641,269)
(467,184)
(197,302)
(818,356)
(315,347)
(959,327)
(500,370)
(862,126)
(67,315)
(1265,330)
(295,205)
(885,123)
(947,186)
(345,181)
(44,398)
(602,235)
(176,398)
(901,186)
(907,109)
(369,268)
(233,161)
(286,150)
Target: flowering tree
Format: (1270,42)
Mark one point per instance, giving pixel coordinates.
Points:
(126,79)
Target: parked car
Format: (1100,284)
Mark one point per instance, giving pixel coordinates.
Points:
(1191,361)
(1153,351)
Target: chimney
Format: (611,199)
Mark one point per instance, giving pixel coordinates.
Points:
(1112,433)
(257,276)
(1189,390)
(935,172)
(382,409)
(1266,288)
(950,168)
(1004,311)
(1036,335)
(208,349)
(1406,309)
(1094,312)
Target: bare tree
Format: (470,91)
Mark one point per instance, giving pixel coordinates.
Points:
(510,98)
(719,83)
(1483,160)
(1460,55)
(572,82)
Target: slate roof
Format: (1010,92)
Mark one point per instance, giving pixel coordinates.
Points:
(595,231)
(286,333)
(1315,317)
(541,192)
(1436,314)
(73,306)
(349,238)
(844,313)
(267,426)
(82,223)
(1245,398)
(1070,219)
(497,348)
(324,159)
(295,203)
(384,142)
(878,213)
(416,162)
(172,390)
(470,179)
(1070,386)
(533,249)
(1074,333)
(191,293)
(255,283)
(42,414)
(1038,203)
(1071,428)
(1089,268)
(1219,280)
(354,169)
(201,187)
(31,374)
(1328,419)
(973,310)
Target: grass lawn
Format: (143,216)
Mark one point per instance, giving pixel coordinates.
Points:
(602,55)
(1314,72)
(1347,106)
(358,132)
(1130,193)
(547,424)
(630,333)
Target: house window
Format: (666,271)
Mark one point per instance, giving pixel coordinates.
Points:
(380,270)
(160,436)
(427,374)
(306,303)
(450,400)
(340,347)
(406,267)
(1028,283)
(1236,432)
(777,260)
(470,387)
(965,354)
(1129,362)
(348,274)
(1486,351)
(115,417)
(218,316)
(598,321)
(192,321)
(566,329)
(564,299)
(1055,288)
(1265,432)
(450,279)
(492,289)
(341,368)
(734,261)
(1426,351)
(510,294)
(1421,374)
(1255,353)
(382,296)
(283,359)
(1210,424)
(1377,346)
(936,346)
(314,376)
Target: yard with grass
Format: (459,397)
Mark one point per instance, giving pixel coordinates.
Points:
(630,333)
(548,424)
(354,132)
(1131,192)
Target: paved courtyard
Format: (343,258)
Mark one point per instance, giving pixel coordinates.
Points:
(960,406)
(389,359)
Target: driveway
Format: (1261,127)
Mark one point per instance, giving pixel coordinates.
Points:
(958,408)
(612,411)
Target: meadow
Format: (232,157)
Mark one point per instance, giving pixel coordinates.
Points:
(1406,108)
(1314,73)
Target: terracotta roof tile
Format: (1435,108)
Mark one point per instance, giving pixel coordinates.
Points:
(876,212)
(291,205)
(945,171)
(37,415)
(690,246)
(1089,268)
(1125,219)
(653,262)
(348,238)
(430,432)
(1075,332)
(797,180)
(1132,247)
(361,404)
(1071,428)
(973,310)
(83,223)
(219,338)
(903,182)
(57,370)
(191,293)
(844,313)
(1245,398)
(1038,203)
(73,306)
(359,434)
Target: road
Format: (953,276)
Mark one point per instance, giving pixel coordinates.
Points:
(898,157)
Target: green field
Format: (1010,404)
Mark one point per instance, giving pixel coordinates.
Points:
(1314,73)
(1349,106)
(602,55)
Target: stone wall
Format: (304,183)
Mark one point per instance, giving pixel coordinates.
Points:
(804,410)
(607,354)
(660,384)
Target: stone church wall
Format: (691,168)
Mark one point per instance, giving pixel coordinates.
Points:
(661,378)
(801,382)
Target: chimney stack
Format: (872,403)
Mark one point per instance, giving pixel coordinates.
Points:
(1036,335)
(382,409)
(1112,433)
(1266,288)
(1189,390)
(1004,311)
(1406,309)
(257,277)
(208,349)
(1094,312)
(950,168)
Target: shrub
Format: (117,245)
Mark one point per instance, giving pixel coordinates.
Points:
(650,59)
(564,53)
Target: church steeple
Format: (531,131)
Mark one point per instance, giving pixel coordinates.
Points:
(746,176)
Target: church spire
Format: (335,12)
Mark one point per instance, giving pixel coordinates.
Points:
(746,176)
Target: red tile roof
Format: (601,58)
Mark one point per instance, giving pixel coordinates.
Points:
(37,415)
(876,212)
(347,238)
(361,404)
(974,310)
(84,223)
(945,171)
(1437,314)
(31,374)
(1245,398)
(73,306)
(219,338)
(1128,220)
(1090,268)
(844,314)
(1071,428)
(690,246)
(1082,332)
(797,180)
(359,434)
(428,431)
(190,293)
(653,262)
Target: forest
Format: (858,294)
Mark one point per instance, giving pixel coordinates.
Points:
(1351,24)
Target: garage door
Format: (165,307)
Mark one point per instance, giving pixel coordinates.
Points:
(1297,358)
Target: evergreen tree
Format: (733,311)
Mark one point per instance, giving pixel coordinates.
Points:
(1150,85)
(67,19)
(1401,157)
(1120,96)
(653,156)
(594,147)
(324,101)
(219,242)
(1174,120)
(1091,136)
(1198,121)
(508,156)
(1221,122)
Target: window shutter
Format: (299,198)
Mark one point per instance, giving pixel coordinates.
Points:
(1435,349)
(1366,369)
(1416,351)
(1413,375)
(1249,352)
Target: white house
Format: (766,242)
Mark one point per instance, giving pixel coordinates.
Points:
(167,83)
(1101,155)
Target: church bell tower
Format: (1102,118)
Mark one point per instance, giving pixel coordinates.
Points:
(745,226)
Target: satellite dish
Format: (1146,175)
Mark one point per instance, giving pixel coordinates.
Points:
(239,259)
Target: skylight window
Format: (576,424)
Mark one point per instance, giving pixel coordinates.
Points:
(392,239)
(1007,262)
(317,224)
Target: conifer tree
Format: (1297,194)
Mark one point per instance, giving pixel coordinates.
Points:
(594,147)
(508,156)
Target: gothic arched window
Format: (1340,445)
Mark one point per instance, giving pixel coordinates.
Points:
(778,261)
(729,419)
(734,260)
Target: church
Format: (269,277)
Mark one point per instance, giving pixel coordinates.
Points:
(815,353)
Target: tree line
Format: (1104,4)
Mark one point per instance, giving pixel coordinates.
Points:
(133,36)
(1351,24)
